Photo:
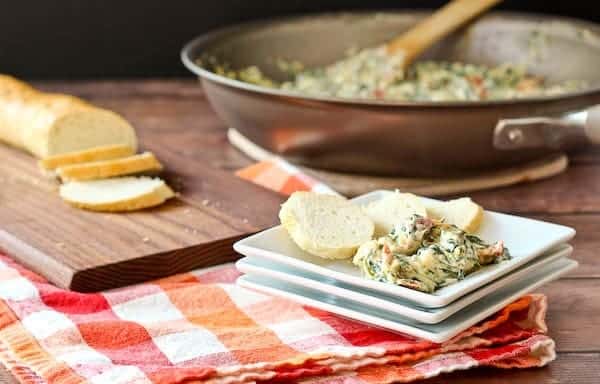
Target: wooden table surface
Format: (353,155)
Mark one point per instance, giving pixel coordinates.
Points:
(572,199)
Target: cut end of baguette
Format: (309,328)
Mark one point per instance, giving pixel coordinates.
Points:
(463,213)
(47,124)
(107,152)
(145,162)
(393,209)
(87,128)
(325,225)
(119,194)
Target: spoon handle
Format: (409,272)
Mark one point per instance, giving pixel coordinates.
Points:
(435,27)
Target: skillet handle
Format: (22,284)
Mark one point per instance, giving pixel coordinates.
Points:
(572,130)
(592,124)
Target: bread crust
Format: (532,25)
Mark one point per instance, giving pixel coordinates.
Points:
(47,124)
(462,212)
(392,209)
(300,212)
(145,200)
(106,152)
(142,163)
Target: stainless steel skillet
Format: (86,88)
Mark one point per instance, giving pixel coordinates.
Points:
(406,138)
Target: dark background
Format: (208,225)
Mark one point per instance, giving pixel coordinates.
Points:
(136,38)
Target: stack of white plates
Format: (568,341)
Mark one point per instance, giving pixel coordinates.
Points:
(275,265)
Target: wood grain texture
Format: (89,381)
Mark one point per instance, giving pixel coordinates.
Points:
(575,191)
(574,314)
(571,368)
(6,377)
(89,251)
(168,109)
(586,242)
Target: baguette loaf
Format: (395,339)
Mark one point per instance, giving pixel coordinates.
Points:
(46,124)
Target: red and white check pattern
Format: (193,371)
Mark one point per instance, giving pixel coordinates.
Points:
(281,176)
(200,327)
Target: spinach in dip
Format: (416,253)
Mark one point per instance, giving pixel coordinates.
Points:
(374,74)
(425,255)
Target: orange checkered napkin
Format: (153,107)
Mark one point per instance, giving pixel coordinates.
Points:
(201,327)
(283,177)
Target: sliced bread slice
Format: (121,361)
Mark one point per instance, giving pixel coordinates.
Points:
(107,152)
(463,213)
(118,194)
(392,209)
(325,225)
(145,162)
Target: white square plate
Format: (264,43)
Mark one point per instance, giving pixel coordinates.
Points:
(438,333)
(525,238)
(284,274)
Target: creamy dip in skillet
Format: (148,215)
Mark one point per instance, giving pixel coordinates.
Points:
(373,74)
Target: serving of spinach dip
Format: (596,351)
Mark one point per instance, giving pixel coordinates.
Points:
(374,74)
(426,254)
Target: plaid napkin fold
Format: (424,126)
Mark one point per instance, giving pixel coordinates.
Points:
(281,176)
(201,327)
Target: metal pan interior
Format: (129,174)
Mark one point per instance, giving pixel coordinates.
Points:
(555,48)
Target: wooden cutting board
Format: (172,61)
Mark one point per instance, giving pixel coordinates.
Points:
(87,251)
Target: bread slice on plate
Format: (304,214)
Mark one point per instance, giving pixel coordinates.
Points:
(145,162)
(463,213)
(325,225)
(106,152)
(118,194)
(393,209)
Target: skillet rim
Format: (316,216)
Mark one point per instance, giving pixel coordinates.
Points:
(215,34)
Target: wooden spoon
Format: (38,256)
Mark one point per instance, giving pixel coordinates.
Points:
(435,27)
